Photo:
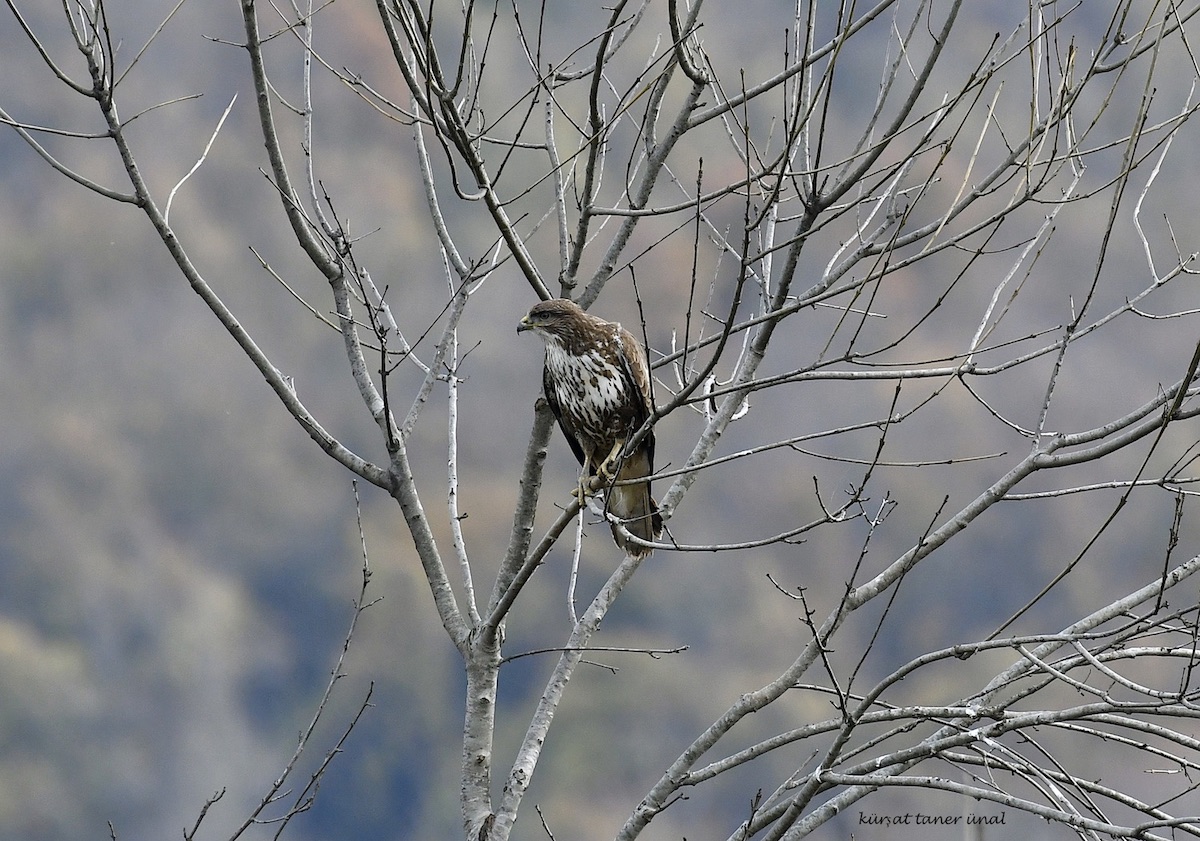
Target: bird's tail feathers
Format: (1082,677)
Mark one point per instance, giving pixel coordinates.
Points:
(636,509)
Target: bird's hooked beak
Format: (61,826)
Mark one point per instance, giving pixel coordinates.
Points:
(524,324)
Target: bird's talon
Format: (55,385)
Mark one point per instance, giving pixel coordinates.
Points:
(610,465)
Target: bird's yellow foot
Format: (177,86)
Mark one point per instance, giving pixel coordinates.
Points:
(611,464)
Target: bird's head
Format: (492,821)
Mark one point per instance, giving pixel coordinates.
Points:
(550,318)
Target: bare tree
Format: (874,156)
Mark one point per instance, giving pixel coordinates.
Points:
(880,254)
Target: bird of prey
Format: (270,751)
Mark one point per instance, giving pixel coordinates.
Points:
(597,383)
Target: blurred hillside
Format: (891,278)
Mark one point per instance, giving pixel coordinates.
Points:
(178,560)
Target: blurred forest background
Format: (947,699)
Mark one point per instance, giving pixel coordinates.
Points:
(178,561)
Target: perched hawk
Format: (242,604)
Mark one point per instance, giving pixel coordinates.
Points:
(597,383)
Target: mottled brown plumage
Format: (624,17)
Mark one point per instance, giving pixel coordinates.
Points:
(597,382)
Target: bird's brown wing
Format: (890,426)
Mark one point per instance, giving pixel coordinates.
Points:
(633,503)
(637,372)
